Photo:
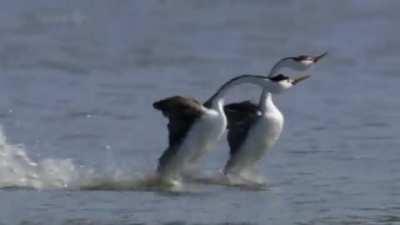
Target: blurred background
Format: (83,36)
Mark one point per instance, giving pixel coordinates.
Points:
(78,79)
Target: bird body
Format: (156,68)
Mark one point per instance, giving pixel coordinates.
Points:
(204,132)
(262,133)
(253,129)
(210,129)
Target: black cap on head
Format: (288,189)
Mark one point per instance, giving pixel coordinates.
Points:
(279,77)
(307,57)
(301,58)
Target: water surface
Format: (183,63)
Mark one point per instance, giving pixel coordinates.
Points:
(78,79)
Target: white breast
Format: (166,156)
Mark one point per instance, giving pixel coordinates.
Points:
(261,137)
(203,135)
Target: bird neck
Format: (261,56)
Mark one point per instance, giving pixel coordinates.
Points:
(217,99)
(284,62)
(219,105)
(266,103)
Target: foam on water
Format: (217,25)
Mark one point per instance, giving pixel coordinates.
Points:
(251,181)
(18,170)
(150,182)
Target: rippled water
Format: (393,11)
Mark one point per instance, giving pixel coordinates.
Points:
(78,79)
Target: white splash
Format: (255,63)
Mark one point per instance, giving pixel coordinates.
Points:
(17,170)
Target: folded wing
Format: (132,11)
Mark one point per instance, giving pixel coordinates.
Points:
(241,116)
(181,112)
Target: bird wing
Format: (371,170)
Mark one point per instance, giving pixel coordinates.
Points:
(241,112)
(241,116)
(181,112)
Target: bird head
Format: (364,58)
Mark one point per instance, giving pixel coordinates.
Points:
(280,82)
(298,63)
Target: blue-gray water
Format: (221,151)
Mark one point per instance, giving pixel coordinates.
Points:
(78,78)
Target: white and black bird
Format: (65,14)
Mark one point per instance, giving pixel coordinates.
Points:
(195,127)
(252,128)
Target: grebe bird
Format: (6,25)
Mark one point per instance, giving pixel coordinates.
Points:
(194,127)
(253,129)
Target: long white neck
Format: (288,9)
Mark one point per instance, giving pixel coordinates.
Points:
(266,103)
(285,62)
(216,99)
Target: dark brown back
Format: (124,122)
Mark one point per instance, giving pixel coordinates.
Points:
(241,116)
(182,112)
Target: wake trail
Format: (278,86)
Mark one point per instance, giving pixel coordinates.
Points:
(19,171)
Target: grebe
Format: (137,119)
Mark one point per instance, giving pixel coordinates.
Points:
(253,129)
